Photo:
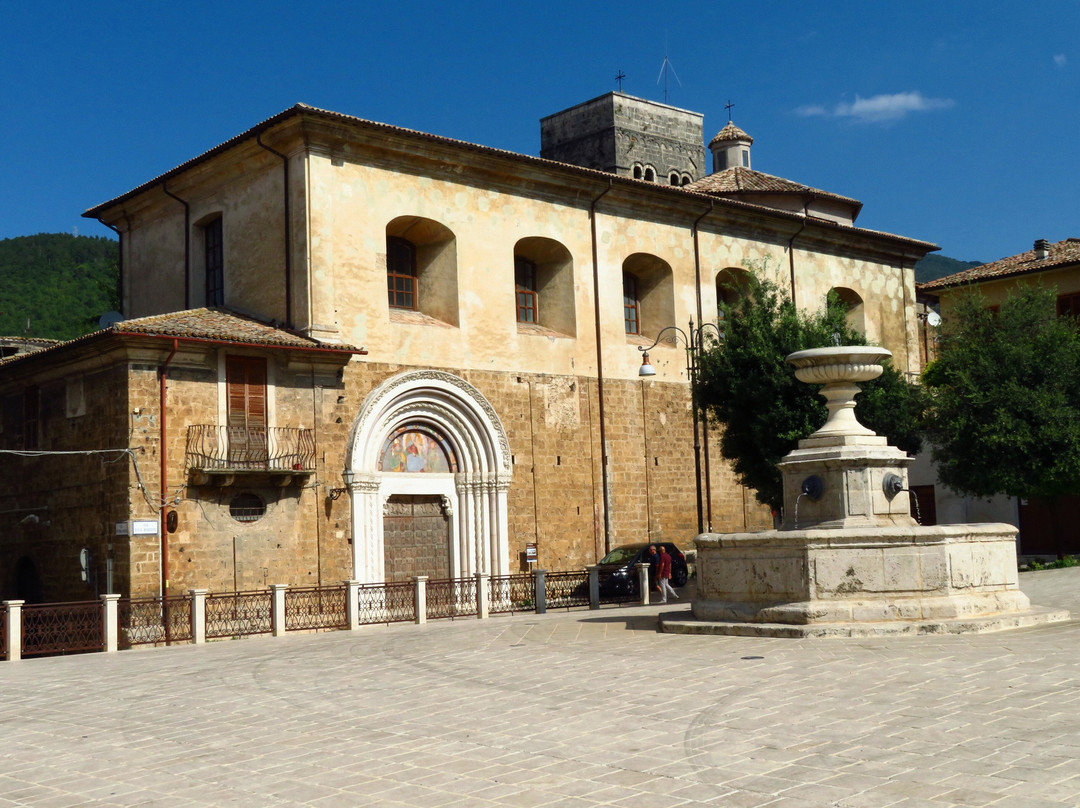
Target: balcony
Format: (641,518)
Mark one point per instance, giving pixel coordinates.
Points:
(218,454)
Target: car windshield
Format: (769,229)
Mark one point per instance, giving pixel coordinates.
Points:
(620,555)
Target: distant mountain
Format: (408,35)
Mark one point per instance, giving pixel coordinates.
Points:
(55,285)
(933,267)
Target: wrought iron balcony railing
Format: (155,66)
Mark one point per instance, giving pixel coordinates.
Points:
(212,448)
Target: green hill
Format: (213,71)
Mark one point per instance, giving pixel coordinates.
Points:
(55,285)
(933,267)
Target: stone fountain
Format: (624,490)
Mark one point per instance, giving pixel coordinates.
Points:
(849,560)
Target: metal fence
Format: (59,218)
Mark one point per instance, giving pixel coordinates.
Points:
(113,623)
(316,608)
(238,614)
(149,621)
(386,603)
(62,628)
(454,597)
(566,589)
(221,448)
(511,593)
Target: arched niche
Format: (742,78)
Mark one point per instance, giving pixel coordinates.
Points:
(851,300)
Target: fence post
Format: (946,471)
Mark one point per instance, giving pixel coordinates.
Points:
(420,599)
(541,591)
(643,582)
(111,623)
(482,595)
(352,604)
(14,629)
(198,615)
(594,586)
(277,608)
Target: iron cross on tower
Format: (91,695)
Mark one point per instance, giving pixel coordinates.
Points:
(619,78)
(728,107)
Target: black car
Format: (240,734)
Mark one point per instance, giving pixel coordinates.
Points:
(618,569)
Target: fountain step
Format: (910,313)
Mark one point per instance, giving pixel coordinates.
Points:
(684,622)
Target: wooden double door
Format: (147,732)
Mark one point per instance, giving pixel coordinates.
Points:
(416,538)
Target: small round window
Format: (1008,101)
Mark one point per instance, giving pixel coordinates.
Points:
(247,508)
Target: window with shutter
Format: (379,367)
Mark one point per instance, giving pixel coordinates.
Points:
(245,380)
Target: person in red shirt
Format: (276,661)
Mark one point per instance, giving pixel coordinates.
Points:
(663,575)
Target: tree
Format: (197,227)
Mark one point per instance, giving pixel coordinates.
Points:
(745,385)
(1004,413)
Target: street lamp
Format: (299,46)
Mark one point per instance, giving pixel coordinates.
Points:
(692,340)
(347,476)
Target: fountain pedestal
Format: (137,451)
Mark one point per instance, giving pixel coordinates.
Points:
(849,559)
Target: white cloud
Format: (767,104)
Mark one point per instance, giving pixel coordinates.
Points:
(879,108)
(1060,60)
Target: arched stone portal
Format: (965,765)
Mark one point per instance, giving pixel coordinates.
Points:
(472,477)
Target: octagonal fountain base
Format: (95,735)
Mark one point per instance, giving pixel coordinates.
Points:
(859,582)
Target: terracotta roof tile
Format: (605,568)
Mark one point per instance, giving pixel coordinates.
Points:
(741,180)
(1060,253)
(730,132)
(218,324)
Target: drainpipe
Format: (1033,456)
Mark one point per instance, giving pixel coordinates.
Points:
(288,233)
(164,548)
(791,257)
(604,483)
(187,244)
(693,380)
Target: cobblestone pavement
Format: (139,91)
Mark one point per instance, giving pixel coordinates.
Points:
(567,709)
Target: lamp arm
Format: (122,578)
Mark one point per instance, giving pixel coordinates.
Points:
(660,338)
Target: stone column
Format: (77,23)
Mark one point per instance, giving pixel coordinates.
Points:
(420,599)
(198,615)
(541,591)
(277,609)
(352,604)
(14,629)
(594,586)
(111,623)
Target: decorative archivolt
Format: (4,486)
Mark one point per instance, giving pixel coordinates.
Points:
(440,399)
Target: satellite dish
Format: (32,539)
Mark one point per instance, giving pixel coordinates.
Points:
(933,319)
(110,318)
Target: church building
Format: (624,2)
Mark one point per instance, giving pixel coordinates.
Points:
(350,350)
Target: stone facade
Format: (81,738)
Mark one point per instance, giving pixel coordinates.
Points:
(619,133)
(556,439)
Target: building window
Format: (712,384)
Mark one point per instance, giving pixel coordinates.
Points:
(214,251)
(637,172)
(245,382)
(650,174)
(746,158)
(525,286)
(674,178)
(31,417)
(1069,305)
(631,305)
(247,508)
(401,273)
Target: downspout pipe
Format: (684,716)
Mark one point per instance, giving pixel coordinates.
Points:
(696,350)
(288,231)
(604,482)
(163,373)
(187,244)
(791,257)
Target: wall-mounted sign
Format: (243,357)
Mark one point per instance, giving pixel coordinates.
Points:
(530,552)
(137,527)
(123,529)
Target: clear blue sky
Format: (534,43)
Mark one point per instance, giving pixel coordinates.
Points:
(955,122)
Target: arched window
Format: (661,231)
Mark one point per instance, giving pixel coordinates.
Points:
(648,294)
(544,284)
(421,268)
(650,174)
(637,171)
(673,178)
(854,305)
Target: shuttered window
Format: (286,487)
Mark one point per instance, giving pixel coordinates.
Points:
(245,381)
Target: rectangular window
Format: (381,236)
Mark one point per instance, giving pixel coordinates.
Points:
(401,273)
(631,306)
(525,285)
(245,382)
(1069,305)
(215,263)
